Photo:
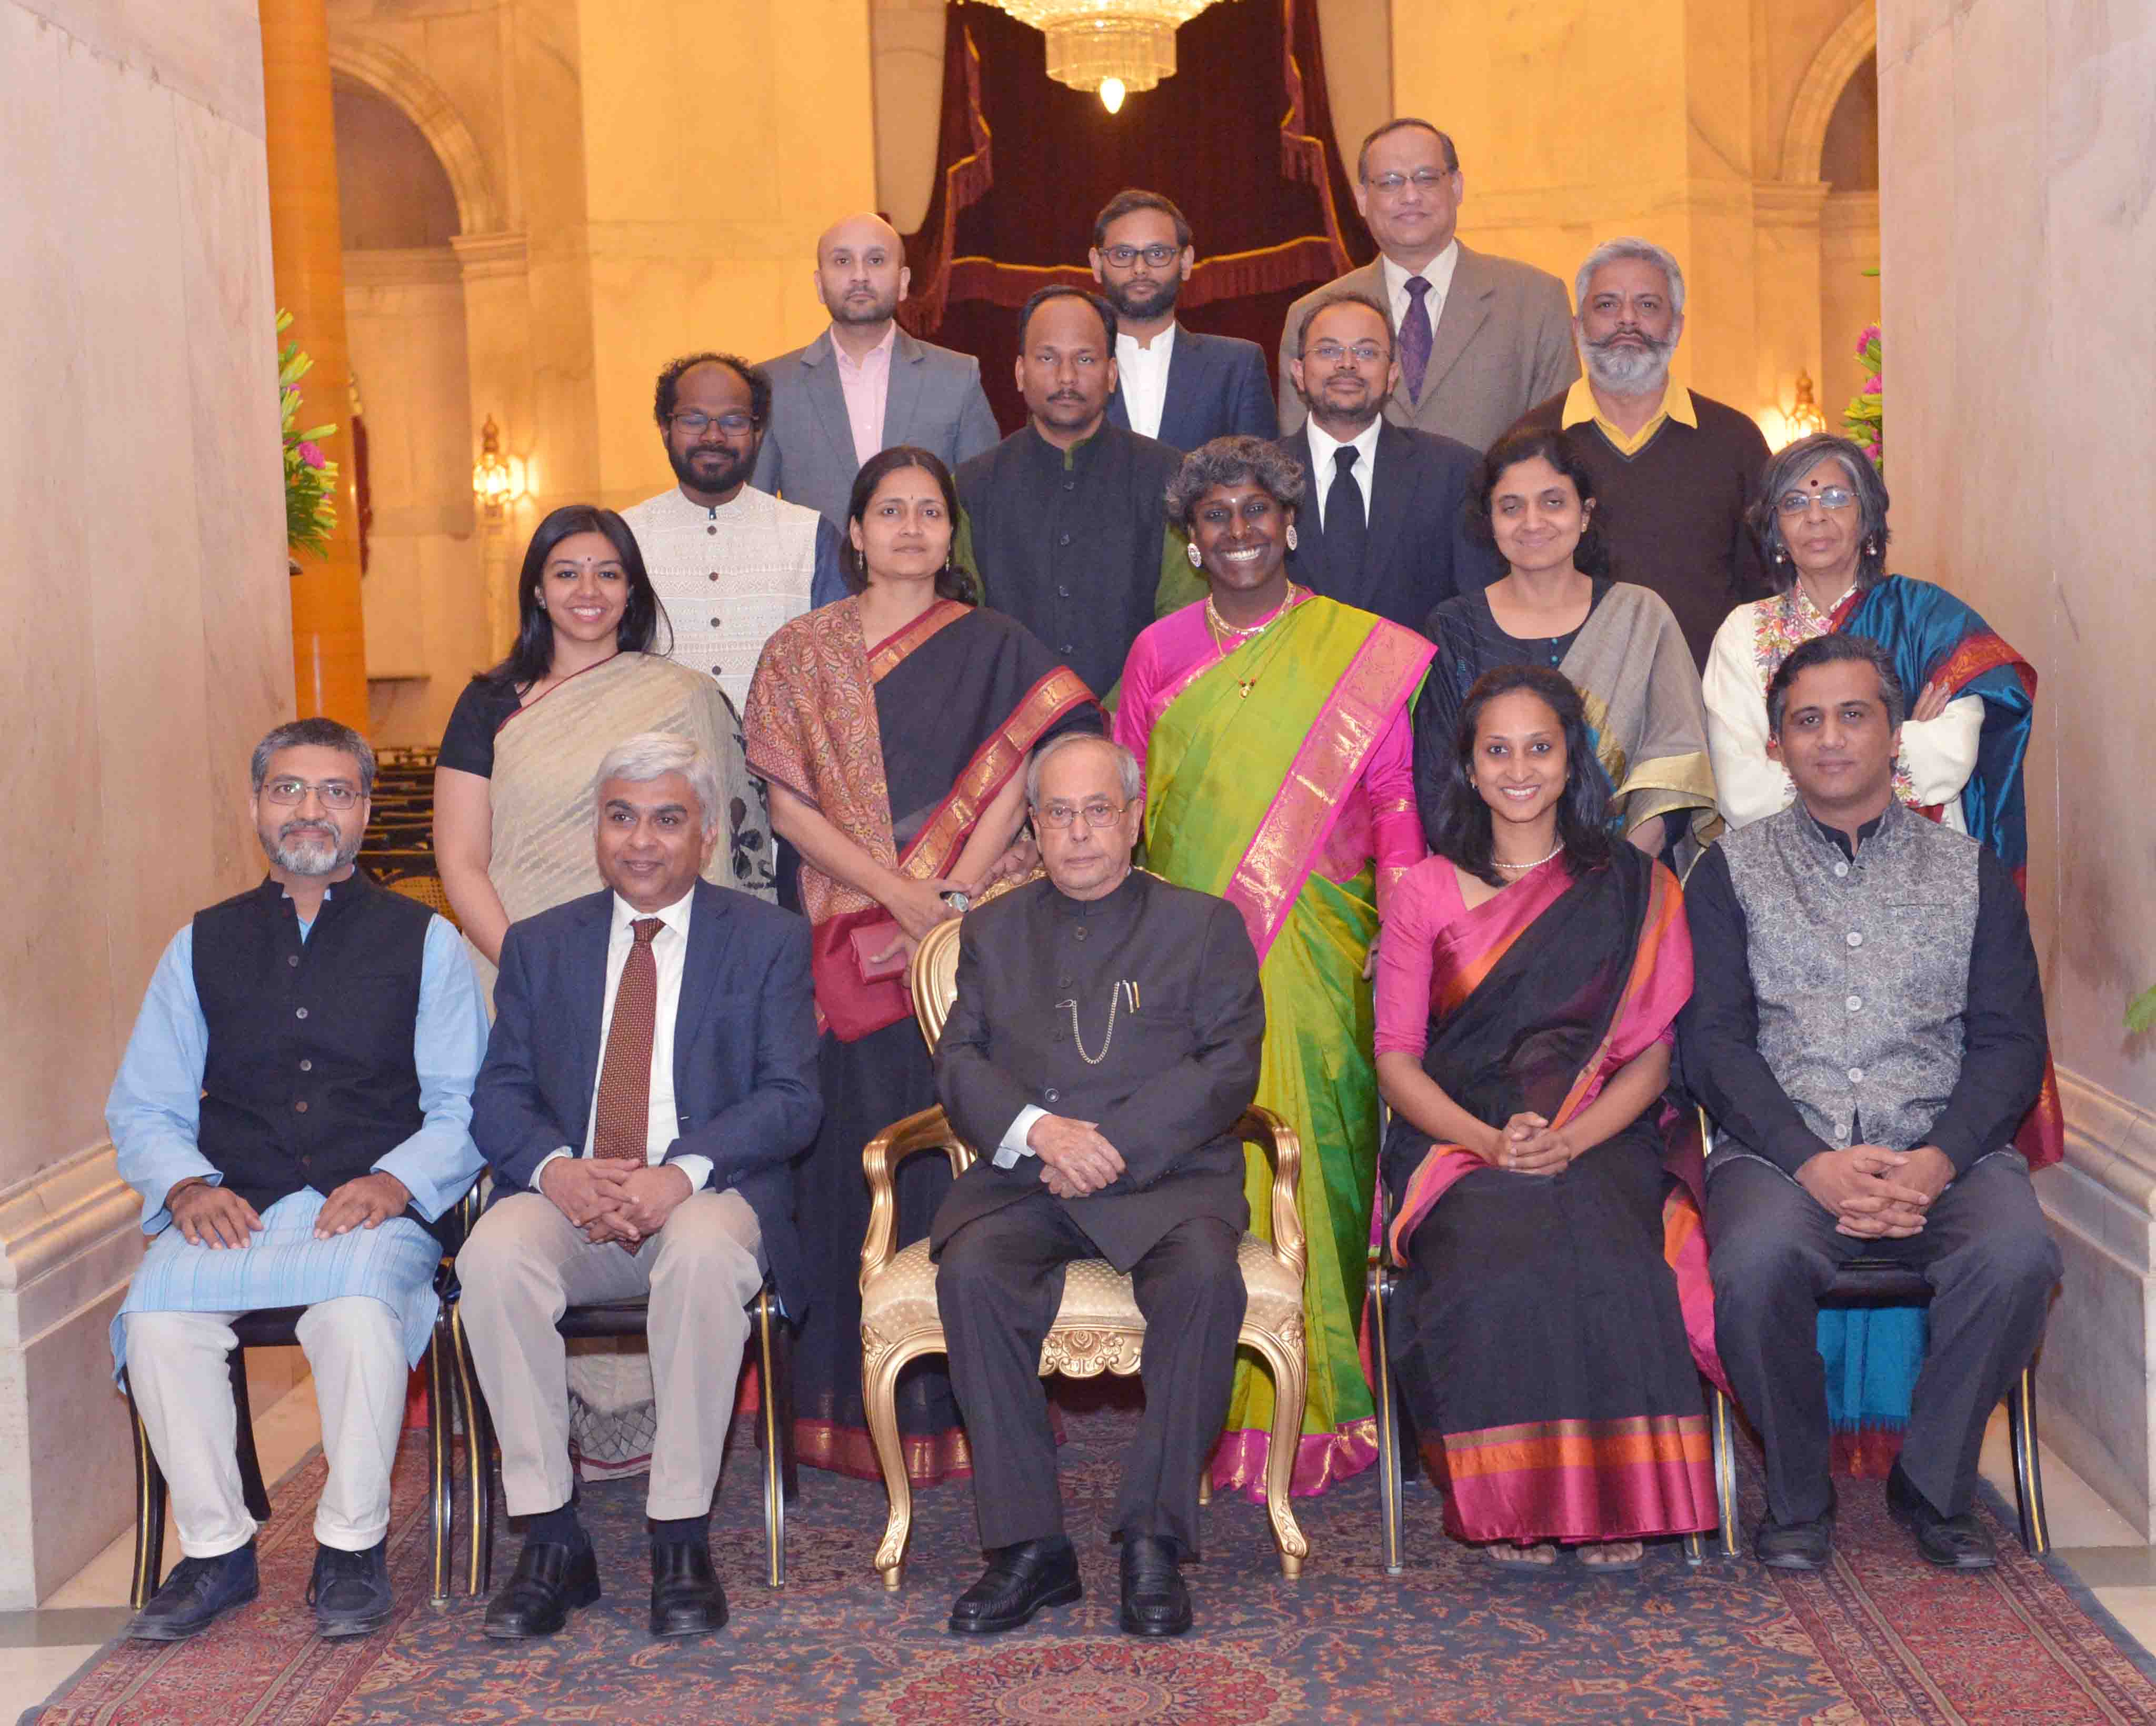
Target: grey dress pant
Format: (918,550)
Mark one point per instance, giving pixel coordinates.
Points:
(1772,1252)
(998,1283)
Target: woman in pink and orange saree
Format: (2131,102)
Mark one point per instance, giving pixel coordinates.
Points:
(1272,724)
(893,728)
(1552,1314)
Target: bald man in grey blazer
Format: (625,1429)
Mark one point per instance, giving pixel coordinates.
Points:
(1481,340)
(865,384)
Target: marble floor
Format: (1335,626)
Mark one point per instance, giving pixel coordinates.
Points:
(39,1651)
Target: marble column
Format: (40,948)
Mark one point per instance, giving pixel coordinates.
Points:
(145,485)
(329,645)
(2018,230)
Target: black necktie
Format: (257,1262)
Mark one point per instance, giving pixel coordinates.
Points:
(1346,529)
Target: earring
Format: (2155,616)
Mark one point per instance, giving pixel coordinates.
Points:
(1781,555)
(1197,558)
(1290,537)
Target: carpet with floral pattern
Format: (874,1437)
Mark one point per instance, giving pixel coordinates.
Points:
(1879,1638)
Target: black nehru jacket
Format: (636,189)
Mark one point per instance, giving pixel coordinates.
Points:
(1166,1086)
(309,1079)
(1070,543)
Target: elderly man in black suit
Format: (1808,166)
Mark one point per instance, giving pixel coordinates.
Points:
(651,1076)
(1383,527)
(1103,1045)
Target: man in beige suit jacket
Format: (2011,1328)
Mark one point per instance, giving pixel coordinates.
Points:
(1493,335)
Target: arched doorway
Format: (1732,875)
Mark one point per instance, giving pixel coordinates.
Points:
(1849,233)
(404,312)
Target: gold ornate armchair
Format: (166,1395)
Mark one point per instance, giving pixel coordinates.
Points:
(1099,1327)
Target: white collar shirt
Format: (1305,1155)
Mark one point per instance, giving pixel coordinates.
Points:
(1324,448)
(1438,273)
(670,953)
(1142,374)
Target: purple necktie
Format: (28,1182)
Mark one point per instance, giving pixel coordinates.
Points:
(1415,338)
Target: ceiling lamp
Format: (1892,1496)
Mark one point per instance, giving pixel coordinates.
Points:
(1114,47)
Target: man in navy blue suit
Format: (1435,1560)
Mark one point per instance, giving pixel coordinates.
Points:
(651,1076)
(1175,386)
(1381,525)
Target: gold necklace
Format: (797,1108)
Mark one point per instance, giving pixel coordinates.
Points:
(1220,629)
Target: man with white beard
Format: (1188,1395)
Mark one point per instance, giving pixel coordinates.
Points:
(295,1106)
(1674,470)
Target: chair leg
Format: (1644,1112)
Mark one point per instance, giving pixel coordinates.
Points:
(478,1461)
(780,1381)
(1695,1548)
(441,1464)
(2028,1464)
(1290,1387)
(774,1446)
(881,1362)
(149,1497)
(1725,1470)
(1389,1482)
(251,1489)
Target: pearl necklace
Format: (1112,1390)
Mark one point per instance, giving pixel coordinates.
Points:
(1220,629)
(1521,867)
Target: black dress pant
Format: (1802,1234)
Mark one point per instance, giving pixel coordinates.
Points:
(998,1283)
(1772,1252)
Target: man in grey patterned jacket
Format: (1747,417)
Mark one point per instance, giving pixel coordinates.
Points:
(1868,1031)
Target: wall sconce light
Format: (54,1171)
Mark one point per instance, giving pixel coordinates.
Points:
(497,481)
(1783,426)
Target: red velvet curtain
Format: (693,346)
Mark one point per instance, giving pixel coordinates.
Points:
(1240,137)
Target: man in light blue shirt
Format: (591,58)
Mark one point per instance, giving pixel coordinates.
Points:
(293,1107)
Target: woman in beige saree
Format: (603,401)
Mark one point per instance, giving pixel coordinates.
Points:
(513,806)
(1534,503)
(514,814)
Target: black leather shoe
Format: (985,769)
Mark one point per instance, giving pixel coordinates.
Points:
(686,1600)
(197,1592)
(350,1591)
(1155,1601)
(1953,1543)
(551,1579)
(1796,1545)
(1019,1581)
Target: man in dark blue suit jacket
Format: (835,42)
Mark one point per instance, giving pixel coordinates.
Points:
(1177,386)
(1381,525)
(651,1076)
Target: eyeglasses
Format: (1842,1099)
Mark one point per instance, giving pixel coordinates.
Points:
(335,793)
(1159,256)
(1422,179)
(1331,353)
(696,424)
(1098,813)
(1799,503)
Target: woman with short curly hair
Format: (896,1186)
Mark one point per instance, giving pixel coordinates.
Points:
(1272,723)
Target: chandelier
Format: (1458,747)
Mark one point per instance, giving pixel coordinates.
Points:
(1111,47)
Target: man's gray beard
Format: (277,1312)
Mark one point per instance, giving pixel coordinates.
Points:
(312,857)
(1630,370)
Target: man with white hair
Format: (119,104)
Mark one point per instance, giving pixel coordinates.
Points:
(1103,1044)
(1674,470)
(293,1108)
(651,1076)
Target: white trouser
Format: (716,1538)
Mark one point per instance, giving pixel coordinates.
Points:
(176,1367)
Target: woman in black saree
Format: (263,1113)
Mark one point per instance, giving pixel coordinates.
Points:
(892,728)
(1528,977)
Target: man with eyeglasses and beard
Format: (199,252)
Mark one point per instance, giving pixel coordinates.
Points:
(293,1107)
(731,563)
(1176,385)
(864,385)
(1674,471)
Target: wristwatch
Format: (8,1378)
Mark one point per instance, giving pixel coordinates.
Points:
(958,901)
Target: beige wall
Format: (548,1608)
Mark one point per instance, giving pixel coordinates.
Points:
(2020,438)
(145,483)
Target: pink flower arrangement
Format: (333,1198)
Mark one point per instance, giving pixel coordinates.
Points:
(311,453)
(1864,420)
